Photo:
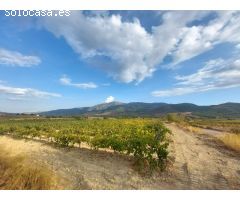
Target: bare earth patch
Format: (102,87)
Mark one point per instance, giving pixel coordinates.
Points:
(203,162)
(200,163)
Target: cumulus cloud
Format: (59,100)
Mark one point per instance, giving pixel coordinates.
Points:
(216,74)
(67,81)
(109,99)
(14,58)
(125,43)
(133,53)
(25,92)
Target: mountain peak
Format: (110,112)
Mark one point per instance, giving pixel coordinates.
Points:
(114,103)
(104,106)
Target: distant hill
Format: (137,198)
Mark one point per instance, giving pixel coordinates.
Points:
(2,113)
(226,110)
(5,114)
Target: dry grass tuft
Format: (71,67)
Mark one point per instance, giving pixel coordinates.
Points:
(193,129)
(18,174)
(232,141)
(189,128)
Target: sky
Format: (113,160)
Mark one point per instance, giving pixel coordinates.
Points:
(92,57)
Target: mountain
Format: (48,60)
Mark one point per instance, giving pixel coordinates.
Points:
(97,109)
(2,113)
(104,106)
(226,110)
(5,114)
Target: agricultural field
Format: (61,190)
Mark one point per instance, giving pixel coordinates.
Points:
(144,139)
(225,130)
(228,131)
(116,153)
(231,126)
(185,121)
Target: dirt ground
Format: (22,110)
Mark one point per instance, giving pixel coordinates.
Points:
(200,162)
(203,162)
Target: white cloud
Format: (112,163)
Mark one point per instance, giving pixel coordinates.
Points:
(16,99)
(216,74)
(198,39)
(125,43)
(109,99)
(134,53)
(172,92)
(67,81)
(238,46)
(25,92)
(14,58)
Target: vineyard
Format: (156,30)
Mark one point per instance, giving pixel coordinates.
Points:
(144,139)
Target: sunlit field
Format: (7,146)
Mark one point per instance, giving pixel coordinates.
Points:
(144,139)
(231,125)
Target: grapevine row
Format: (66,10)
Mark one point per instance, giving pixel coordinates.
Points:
(145,139)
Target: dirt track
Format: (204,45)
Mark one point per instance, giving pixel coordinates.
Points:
(200,163)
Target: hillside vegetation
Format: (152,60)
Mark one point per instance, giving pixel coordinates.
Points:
(117,109)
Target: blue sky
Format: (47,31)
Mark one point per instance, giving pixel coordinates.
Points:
(92,57)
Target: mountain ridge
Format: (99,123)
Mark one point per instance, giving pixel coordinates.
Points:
(228,110)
